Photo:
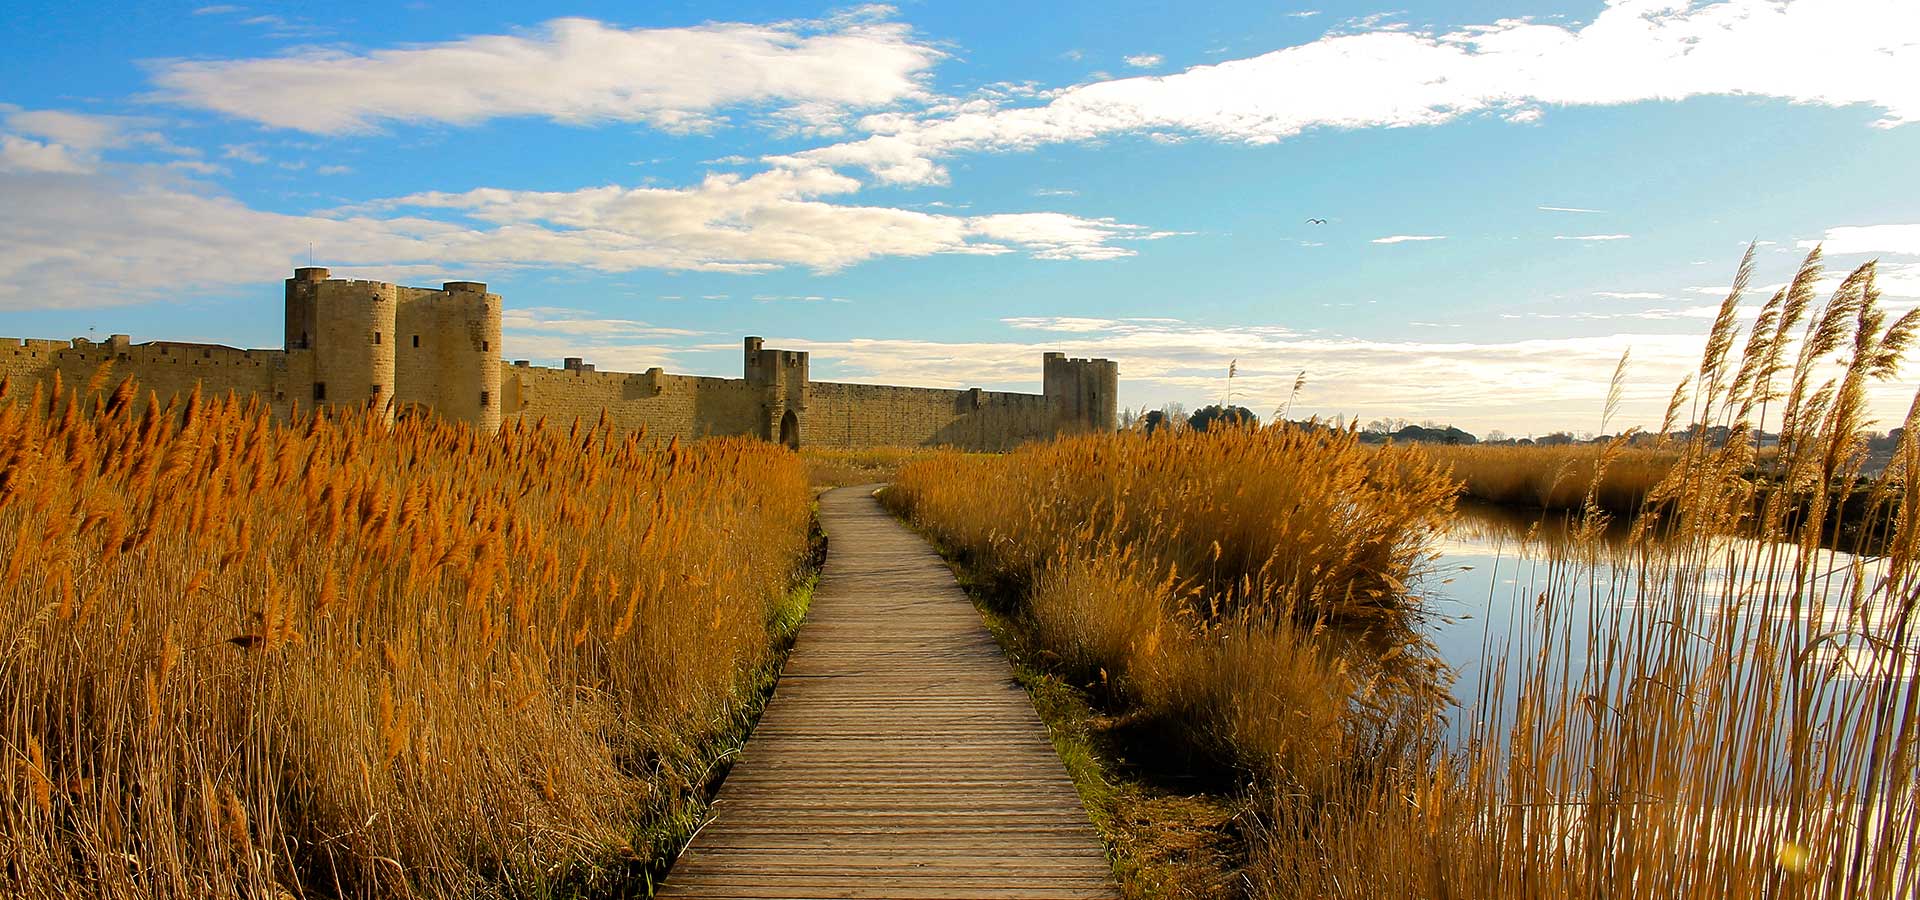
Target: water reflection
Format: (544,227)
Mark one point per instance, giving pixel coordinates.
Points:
(1495,565)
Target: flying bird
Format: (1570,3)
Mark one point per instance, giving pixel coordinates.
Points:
(1316,221)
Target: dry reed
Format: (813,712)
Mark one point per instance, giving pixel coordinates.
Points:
(330,657)
(1213,584)
(1725,706)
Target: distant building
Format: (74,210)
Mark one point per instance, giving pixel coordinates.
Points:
(407,350)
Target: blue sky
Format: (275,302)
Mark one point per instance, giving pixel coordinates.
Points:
(1515,192)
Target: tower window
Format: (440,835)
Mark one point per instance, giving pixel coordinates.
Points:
(416,340)
(376,392)
(319,391)
(484,345)
(483,399)
(376,337)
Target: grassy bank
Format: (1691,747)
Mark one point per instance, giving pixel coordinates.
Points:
(334,658)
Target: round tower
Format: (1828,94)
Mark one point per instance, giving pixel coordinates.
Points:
(303,293)
(352,338)
(468,357)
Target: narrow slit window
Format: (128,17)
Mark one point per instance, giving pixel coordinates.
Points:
(416,340)
(376,337)
(483,399)
(319,391)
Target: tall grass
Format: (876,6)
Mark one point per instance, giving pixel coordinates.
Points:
(1239,593)
(1557,477)
(338,658)
(1724,707)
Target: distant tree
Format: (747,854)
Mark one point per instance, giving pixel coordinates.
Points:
(1384,426)
(1153,421)
(1127,419)
(1496,436)
(1210,416)
(1434,434)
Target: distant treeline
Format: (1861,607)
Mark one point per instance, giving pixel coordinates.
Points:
(1380,431)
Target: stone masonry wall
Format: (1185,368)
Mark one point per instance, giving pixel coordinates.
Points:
(165,369)
(836,415)
(667,406)
(872,415)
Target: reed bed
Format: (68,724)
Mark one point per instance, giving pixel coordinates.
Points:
(1557,477)
(1239,593)
(1724,706)
(337,658)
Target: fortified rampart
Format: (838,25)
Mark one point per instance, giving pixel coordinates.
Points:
(406,350)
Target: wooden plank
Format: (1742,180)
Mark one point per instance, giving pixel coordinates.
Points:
(897,757)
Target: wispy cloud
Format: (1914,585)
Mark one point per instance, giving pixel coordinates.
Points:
(1145,60)
(53,141)
(1569,209)
(1899,239)
(119,242)
(1591,237)
(578,71)
(1403,238)
(1828,52)
(1630,295)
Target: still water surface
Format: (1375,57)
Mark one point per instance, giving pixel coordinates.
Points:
(1495,562)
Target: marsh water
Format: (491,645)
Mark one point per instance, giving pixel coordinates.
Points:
(1494,563)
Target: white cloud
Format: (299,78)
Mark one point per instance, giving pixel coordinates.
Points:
(1145,60)
(245,153)
(1630,295)
(217,10)
(58,141)
(1403,238)
(68,240)
(1591,237)
(1050,235)
(1828,52)
(1304,14)
(562,320)
(19,155)
(1569,209)
(770,219)
(1899,239)
(570,70)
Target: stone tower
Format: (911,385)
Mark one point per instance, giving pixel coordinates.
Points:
(448,352)
(355,343)
(778,379)
(1082,393)
(347,327)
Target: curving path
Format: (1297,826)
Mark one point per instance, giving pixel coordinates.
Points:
(897,758)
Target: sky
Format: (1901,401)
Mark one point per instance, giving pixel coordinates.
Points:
(1514,193)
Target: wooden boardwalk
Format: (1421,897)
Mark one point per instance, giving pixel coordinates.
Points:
(897,757)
